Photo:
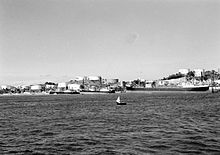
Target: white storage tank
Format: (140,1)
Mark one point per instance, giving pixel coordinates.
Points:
(62,85)
(36,87)
(74,86)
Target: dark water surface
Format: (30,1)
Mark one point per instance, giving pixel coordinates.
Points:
(156,123)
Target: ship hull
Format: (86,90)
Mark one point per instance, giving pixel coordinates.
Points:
(62,92)
(199,88)
(96,92)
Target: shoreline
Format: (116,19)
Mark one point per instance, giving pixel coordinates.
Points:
(127,92)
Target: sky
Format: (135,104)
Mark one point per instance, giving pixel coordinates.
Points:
(57,40)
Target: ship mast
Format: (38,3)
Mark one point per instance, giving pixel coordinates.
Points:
(212,81)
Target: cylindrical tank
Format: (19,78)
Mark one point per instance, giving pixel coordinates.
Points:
(73,86)
(36,87)
(62,85)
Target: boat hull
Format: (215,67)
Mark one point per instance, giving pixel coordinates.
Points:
(121,103)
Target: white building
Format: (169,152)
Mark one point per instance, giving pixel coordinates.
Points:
(199,72)
(7,87)
(184,71)
(148,84)
(94,78)
(62,86)
(217,81)
(79,78)
(110,81)
(50,85)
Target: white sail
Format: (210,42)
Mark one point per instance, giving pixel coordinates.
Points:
(118,99)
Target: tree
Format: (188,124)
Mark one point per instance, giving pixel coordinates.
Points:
(190,75)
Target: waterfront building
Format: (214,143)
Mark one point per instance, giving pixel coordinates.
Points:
(25,88)
(93,81)
(4,87)
(94,78)
(199,72)
(8,89)
(50,85)
(110,81)
(74,87)
(148,84)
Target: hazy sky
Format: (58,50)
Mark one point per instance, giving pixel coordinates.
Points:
(126,39)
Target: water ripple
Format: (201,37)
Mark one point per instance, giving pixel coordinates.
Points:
(151,123)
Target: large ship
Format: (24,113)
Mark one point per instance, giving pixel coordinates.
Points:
(165,88)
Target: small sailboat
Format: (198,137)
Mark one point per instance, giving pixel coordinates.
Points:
(118,101)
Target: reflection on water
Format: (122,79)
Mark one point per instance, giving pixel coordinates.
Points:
(151,123)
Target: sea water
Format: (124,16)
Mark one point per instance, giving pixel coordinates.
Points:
(150,123)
